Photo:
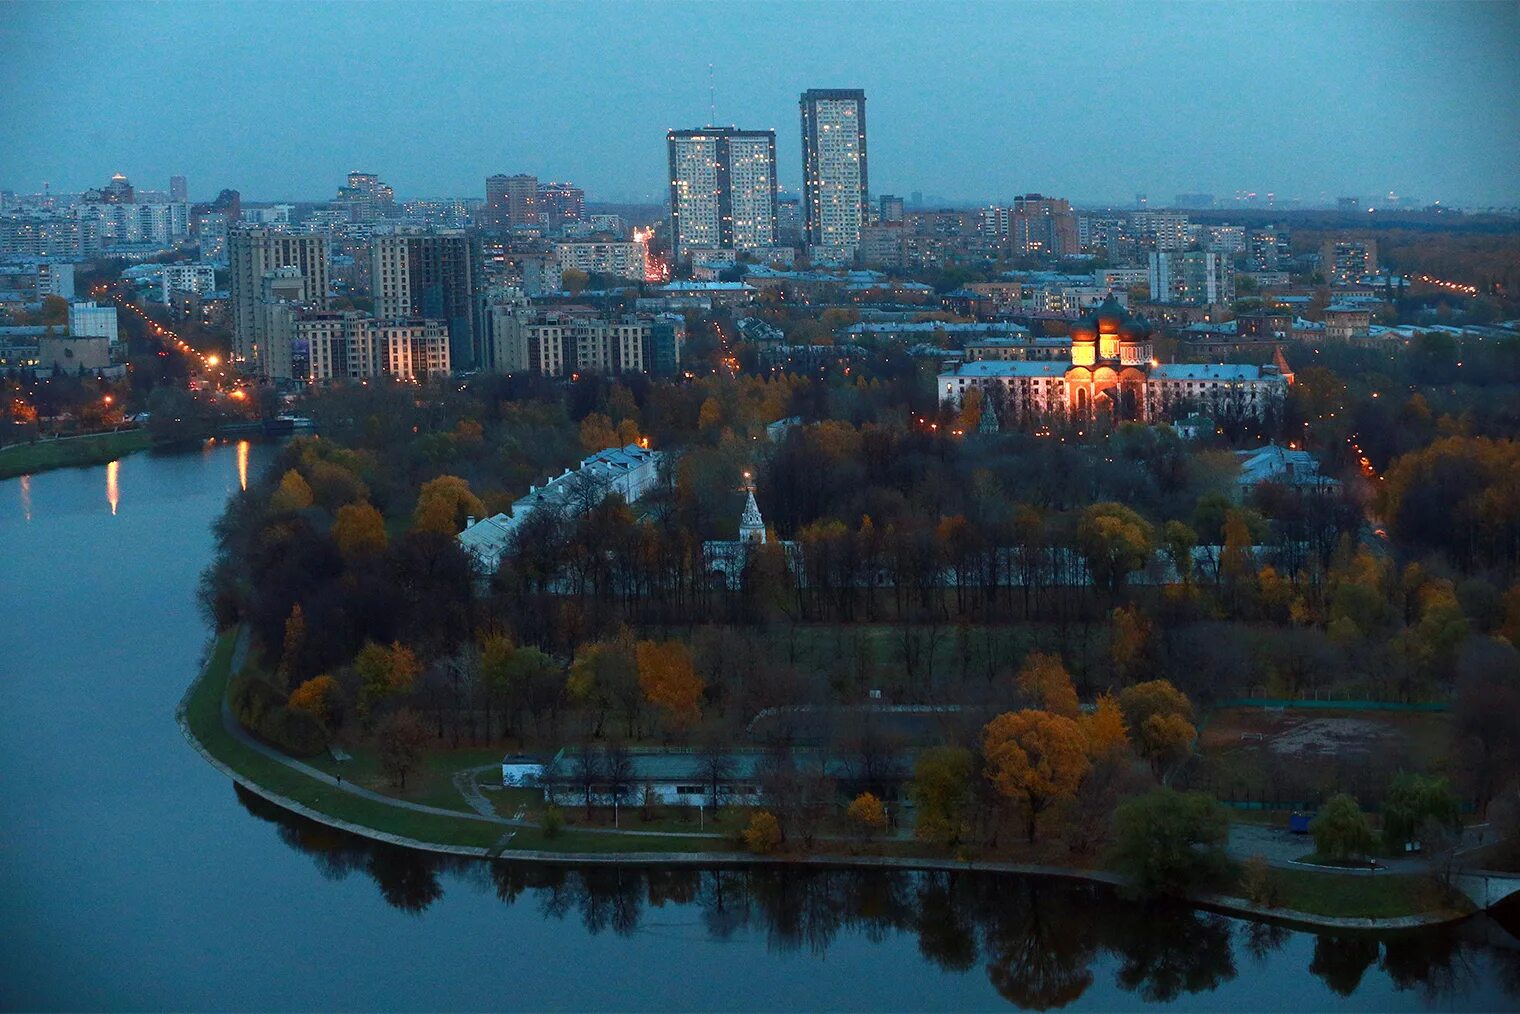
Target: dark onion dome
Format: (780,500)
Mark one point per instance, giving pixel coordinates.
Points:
(1110,316)
(1134,330)
(1084,330)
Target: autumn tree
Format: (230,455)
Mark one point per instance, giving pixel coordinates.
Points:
(293,494)
(670,681)
(1160,718)
(1115,542)
(867,815)
(599,433)
(1045,682)
(1035,758)
(763,834)
(941,794)
(319,697)
(294,644)
(443,504)
(401,737)
(1129,639)
(383,673)
(359,531)
(1104,730)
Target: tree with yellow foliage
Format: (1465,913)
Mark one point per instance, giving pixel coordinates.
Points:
(383,673)
(1035,758)
(763,834)
(670,682)
(1161,718)
(293,494)
(867,815)
(318,696)
(443,504)
(359,531)
(1107,738)
(598,433)
(1045,681)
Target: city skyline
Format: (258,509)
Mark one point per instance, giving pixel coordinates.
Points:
(1377,97)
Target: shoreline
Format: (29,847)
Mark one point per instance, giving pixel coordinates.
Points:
(86,450)
(1214,902)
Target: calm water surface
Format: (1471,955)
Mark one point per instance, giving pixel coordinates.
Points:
(132,875)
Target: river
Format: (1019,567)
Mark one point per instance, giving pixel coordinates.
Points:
(133,875)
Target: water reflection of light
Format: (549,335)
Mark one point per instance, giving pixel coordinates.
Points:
(26,496)
(243,464)
(113,488)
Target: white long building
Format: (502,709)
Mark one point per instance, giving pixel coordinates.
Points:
(628,471)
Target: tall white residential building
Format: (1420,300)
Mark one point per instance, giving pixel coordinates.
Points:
(266,266)
(722,189)
(624,259)
(1200,277)
(103,225)
(836,187)
(87,320)
(197,278)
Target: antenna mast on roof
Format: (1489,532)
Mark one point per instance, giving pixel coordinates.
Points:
(712,99)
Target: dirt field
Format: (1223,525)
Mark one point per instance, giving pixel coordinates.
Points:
(1304,755)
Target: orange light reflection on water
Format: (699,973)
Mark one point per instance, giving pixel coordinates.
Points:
(113,485)
(26,496)
(243,446)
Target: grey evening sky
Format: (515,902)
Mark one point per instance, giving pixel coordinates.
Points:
(965,101)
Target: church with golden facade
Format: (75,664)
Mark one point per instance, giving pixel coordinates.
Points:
(1112,371)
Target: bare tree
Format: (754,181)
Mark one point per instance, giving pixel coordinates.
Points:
(587,771)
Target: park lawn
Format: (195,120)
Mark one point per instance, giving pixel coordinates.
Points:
(1362,896)
(728,820)
(70,452)
(432,783)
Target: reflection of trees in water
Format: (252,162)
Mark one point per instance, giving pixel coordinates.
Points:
(1039,945)
(1037,938)
(1342,961)
(1166,950)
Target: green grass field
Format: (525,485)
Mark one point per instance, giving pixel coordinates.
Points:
(70,452)
(1379,896)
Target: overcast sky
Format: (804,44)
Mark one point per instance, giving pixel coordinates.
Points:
(971,102)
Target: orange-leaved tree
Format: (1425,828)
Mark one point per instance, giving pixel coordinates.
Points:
(444,503)
(1107,738)
(867,814)
(1045,681)
(1161,719)
(1035,758)
(670,681)
(359,531)
(318,696)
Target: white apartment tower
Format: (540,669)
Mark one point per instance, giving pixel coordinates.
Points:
(836,188)
(722,189)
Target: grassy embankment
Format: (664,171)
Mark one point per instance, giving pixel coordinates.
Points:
(203,714)
(1379,896)
(70,452)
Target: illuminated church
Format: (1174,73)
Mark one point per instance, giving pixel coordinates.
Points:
(1113,372)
